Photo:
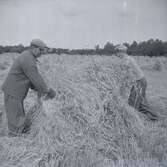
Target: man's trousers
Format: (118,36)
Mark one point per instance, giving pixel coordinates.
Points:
(137,99)
(138,94)
(15,114)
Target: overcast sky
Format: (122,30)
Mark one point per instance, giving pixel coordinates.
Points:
(82,23)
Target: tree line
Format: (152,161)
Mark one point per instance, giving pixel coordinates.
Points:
(150,48)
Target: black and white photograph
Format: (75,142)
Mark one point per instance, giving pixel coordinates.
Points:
(83,83)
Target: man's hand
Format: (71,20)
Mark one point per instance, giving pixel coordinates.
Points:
(51,94)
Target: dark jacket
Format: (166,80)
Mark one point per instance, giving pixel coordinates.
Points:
(22,76)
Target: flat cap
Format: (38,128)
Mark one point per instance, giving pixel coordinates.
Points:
(38,43)
(121,48)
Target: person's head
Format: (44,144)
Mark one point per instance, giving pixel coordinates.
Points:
(38,47)
(121,50)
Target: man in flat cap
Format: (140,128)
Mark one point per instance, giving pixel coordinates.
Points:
(137,98)
(22,76)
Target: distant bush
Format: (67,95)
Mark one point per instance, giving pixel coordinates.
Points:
(17,49)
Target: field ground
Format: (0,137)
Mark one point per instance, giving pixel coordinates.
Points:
(155,136)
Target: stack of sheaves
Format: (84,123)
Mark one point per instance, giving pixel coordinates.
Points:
(88,123)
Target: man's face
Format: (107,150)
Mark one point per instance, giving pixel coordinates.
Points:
(39,51)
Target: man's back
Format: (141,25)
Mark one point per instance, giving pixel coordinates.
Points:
(17,83)
(22,75)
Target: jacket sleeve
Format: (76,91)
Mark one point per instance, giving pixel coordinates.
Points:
(35,78)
